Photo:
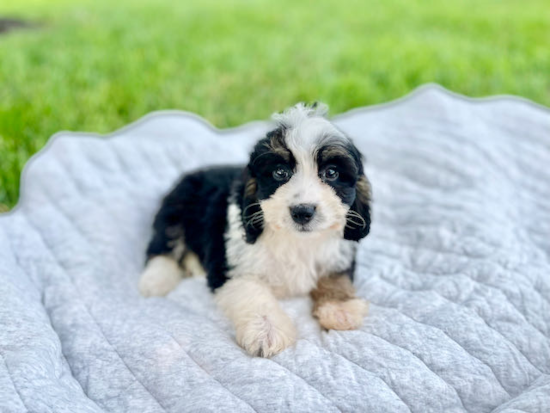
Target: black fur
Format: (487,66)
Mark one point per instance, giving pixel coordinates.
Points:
(361,205)
(197,204)
(249,206)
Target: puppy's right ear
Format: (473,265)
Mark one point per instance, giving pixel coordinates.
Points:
(251,212)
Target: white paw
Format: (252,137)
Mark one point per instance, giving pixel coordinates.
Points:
(266,335)
(162,274)
(342,315)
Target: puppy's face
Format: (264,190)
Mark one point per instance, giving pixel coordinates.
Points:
(305,177)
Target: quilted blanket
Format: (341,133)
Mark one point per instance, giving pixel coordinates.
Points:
(457,270)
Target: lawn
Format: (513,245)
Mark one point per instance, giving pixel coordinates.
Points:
(97,65)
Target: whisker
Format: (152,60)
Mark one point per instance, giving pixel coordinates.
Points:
(252,217)
(255,218)
(351,226)
(353,214)
(351,221)
(250,206)
(253,214)
(357,215)
(253,223)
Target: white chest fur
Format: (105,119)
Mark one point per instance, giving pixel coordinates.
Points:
(289,263)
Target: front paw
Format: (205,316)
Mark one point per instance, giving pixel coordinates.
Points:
(342,315)
(266,335)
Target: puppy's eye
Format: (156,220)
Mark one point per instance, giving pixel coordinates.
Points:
(330,174)
(281,174)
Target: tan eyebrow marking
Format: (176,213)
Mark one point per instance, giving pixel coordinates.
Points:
(250,187)
(363,189)
(333,152)
(277,145)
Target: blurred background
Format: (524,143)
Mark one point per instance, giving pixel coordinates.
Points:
(96,65)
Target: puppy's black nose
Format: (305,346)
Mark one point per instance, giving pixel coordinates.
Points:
(302,213)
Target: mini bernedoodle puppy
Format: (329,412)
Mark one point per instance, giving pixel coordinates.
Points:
(287,224)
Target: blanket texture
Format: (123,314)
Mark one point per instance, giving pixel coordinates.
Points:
(457,270)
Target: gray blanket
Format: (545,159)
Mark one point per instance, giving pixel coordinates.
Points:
(457,270)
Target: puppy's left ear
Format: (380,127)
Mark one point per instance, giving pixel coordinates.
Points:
(358,217)
(250,208)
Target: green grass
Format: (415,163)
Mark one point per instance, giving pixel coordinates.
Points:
(97,65)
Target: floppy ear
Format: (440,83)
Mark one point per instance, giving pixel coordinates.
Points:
(251,213)
(358,217)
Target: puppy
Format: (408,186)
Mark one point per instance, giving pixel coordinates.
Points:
(286,224)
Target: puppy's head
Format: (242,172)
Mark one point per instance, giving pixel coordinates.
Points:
(306,178)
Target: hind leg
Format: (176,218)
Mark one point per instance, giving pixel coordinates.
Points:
(161,275)
(163,271)
(165,253)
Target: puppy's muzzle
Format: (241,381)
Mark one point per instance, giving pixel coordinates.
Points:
(302,213)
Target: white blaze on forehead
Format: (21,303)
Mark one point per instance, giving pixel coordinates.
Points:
(310,133)
(306,127)
(304,139)
(306,130)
